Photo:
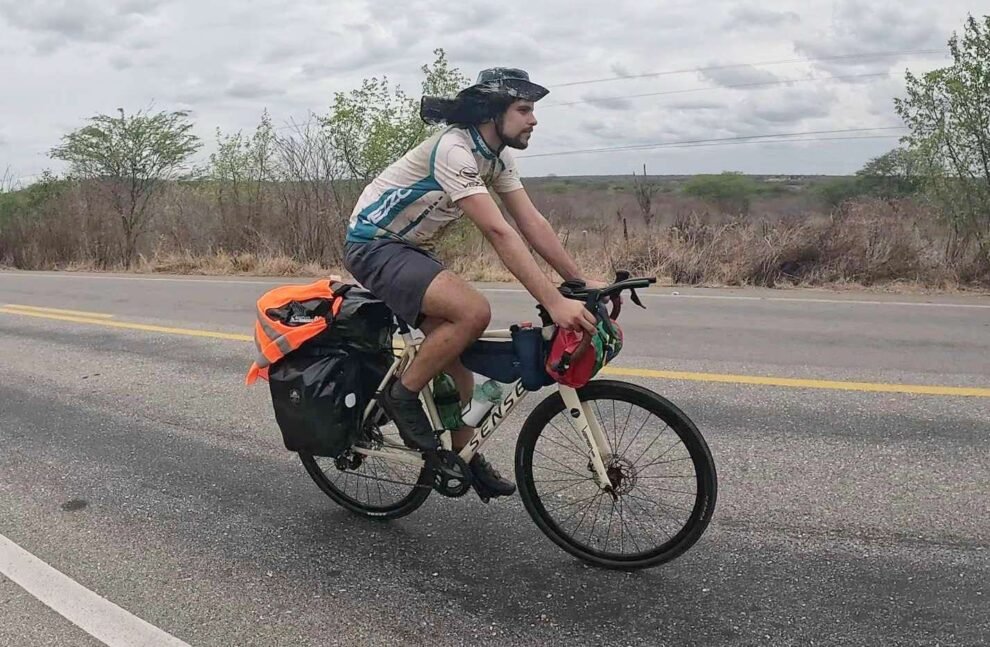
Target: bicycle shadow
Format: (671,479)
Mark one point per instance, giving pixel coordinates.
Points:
(494,564)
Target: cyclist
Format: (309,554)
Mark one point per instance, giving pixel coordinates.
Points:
(399,214)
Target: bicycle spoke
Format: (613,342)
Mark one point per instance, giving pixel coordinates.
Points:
(580,454)
(575,513)
(655,503)
(588,509)
(594,520)
(625,425)
(659,462)
(662,489)
(563,489)
(622,520)
(567,505)
(566,467)
(611,448)
(568,472)
(653,442)
(647,528)
(650,517)
(615,430)
(608,531)
(562,480)
(638,432)
(569,439)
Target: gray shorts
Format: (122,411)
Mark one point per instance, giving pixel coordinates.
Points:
(396,272)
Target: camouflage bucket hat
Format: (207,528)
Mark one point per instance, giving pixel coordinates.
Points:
(509,81)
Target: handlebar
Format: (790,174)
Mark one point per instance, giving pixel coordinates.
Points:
(592,297)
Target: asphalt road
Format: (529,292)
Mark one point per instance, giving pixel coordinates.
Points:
(138,464)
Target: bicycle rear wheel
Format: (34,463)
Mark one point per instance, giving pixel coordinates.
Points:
(660,468)
(370,486)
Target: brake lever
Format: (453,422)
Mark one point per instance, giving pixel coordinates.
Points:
(635,298)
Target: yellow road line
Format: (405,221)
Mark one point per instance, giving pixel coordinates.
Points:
(58,311)
(873,387)
(726,378)
(190,332)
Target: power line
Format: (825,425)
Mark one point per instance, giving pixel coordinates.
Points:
(713,68)
(719,87)
(787,141)
(635,147)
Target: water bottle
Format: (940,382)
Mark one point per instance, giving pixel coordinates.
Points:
(448,401)
(486,396)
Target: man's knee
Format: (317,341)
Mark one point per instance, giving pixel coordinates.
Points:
(479,316)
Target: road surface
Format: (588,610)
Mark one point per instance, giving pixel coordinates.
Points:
(850,432)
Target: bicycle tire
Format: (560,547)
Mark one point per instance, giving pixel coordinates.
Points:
(408,504)
(706,480)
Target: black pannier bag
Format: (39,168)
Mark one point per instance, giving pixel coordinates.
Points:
(320,390)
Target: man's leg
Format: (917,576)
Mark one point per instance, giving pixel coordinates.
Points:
(463,378)
(456,316)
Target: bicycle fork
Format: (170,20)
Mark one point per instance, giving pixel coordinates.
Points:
(584,420)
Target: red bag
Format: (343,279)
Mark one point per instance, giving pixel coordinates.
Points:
(575,357)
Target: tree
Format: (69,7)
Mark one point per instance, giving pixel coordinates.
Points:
(948,112)
(731,191)
(131,157)
(240,169)
(7,181)
(892,175)
(376,124)
(644,191)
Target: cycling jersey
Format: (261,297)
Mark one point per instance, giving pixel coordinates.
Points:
(414,198)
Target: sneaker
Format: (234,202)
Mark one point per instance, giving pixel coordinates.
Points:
(411,421)
(489,479)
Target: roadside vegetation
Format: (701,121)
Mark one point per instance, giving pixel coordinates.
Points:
(276,201)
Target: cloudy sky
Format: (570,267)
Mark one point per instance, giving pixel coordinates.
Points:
(735,68)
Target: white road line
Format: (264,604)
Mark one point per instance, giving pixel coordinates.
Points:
(645,294)
(729,297)
(92,613)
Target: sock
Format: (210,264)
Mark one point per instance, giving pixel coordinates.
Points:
(400,392)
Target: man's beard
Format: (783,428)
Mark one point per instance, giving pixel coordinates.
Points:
(516,142)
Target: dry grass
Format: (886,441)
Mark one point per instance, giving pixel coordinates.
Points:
(782,242)
(894,246)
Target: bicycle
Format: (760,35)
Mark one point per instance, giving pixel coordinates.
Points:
(561,475)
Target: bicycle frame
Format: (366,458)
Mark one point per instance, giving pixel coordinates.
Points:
(580,413)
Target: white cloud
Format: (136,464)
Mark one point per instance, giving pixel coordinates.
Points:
(738,75)
(858,27)
(758,16)
(66,60)
(58,22)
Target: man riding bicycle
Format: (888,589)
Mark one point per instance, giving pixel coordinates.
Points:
(402,210)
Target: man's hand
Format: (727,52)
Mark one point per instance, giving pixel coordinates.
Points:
(600,285)
(572,315)
(596,285)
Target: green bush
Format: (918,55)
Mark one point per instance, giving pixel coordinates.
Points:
(732,192)
(834,192)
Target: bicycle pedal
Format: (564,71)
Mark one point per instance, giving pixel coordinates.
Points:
(484,493)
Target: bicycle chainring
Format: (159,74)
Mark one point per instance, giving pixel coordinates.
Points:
(451,475)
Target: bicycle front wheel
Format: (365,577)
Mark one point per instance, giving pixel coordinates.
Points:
(661,472)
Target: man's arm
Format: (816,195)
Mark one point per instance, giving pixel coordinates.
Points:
(538,232)
(509,246)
